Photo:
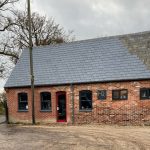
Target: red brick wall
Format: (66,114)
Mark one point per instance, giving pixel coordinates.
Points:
(131,111)
(16,116)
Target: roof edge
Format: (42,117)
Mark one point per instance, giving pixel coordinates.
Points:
(78,83)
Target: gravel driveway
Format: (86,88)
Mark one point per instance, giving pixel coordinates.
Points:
(74,138)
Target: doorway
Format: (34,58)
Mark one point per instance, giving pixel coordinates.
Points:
(61,106)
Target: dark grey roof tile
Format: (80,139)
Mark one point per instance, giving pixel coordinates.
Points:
(96,60)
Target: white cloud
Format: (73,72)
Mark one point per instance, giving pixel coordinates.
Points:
(2,83)
(92,18)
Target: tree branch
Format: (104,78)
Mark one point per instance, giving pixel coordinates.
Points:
(9,54)
(6,27)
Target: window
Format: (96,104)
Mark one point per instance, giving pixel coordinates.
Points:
(101,94)
(120,94)
(45,101)
(22,101)
(145,93)
(85,100)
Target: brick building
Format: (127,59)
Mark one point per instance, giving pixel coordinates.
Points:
(104,80)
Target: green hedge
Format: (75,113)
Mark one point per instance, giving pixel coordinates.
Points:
(1,109)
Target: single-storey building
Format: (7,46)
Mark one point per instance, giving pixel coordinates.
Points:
(103,80)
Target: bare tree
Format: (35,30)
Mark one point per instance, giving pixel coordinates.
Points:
(6,22)
(5,8)
(44,32)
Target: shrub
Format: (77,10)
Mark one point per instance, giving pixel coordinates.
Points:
(1,109)
(2,103)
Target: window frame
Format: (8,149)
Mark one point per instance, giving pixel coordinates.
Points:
(119,90)
(101,99)
(91,101)
(41,101)
(20,102)
(148,90)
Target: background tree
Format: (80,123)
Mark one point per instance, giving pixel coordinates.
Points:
(5,22)
(3,102)
(44,32)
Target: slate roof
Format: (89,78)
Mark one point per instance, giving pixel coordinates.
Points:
(95,60)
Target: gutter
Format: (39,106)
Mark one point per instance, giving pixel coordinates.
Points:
(78,83)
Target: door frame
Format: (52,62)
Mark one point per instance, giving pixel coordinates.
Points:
(57,94)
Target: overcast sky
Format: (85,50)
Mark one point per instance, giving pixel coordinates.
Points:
(96,18)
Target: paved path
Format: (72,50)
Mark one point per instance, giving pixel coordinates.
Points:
(74,138)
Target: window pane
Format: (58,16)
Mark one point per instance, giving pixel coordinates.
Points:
(115,94)
(145,93)
(123,94)
(22,101)
(86,105)
(45,101)
(120,94)
(23,97)
(46,96)
(23,106)
(45,105)
(101,94)
(85,100)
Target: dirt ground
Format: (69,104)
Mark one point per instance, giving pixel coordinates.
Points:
(16,137)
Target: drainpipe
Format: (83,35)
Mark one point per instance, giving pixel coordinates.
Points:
(72,99)
(6,112)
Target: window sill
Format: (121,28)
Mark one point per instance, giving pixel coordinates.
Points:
(145,99)
(102,100)
(45,110)
(22,110)
(84,110)
(119,100)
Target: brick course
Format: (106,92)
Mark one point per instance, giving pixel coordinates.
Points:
(131,111)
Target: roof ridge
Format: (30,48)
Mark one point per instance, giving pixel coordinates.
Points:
(91,39)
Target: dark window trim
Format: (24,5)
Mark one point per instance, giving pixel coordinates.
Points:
(148,90)
(22,110)
(85,110)
(102,99)
(45,110)
(119,90)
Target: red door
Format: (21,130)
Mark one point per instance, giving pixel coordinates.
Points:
(61,107)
